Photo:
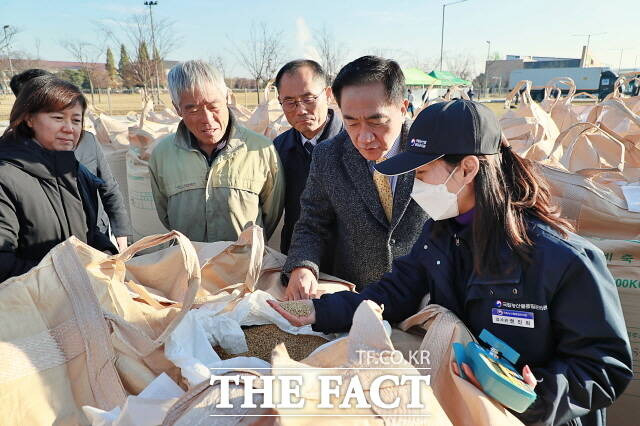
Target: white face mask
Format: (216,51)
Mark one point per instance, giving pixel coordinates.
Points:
(436,200)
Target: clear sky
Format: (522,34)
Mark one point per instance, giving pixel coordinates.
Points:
(408,31)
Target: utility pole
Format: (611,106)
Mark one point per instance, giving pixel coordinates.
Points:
(155,49)
(486,69)
(442,33)
(588,38)
(6,39)
(620,63)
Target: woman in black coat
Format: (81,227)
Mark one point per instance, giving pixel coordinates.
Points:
(498,255)
(46,196)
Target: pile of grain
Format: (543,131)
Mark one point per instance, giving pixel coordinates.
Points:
(297,308)
(261,339)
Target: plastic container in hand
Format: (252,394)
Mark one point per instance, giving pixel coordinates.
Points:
(494,369)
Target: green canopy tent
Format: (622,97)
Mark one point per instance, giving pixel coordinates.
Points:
(416,77)
(445,78)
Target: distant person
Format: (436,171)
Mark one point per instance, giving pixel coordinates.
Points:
(46,195)
(520,95)
(470,93)
(213,177)
(425,96)
(411,100)
(112,211)
(366,219)
(304,96)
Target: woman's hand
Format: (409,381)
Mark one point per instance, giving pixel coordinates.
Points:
(527,375)
(296,320)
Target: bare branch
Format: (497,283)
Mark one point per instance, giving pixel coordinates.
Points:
(262,54)
(87,55)
(461,65)
(6,37)
(331,53)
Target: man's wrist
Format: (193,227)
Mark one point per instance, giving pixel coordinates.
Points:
(286,276)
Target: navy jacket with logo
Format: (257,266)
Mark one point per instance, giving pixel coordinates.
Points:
(578,347)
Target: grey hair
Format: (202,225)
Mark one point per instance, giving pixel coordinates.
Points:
(192,75)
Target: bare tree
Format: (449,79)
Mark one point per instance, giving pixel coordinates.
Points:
(261,55)
(424,64)
(219,64)
(87,55)
(6,37)
(332,54)
(462,66)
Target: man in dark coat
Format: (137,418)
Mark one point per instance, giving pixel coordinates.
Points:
(364,218)
(304,95)
(111,208)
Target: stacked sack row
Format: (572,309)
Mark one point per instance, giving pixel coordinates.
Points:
(590,154)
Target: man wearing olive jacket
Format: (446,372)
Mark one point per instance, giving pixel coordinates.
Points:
(213,177)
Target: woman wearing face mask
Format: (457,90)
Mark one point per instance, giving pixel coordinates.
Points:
(46,196)
(495,240)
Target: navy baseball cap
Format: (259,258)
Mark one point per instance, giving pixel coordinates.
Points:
(457,127)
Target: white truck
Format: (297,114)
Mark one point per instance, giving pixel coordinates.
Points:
(597,80)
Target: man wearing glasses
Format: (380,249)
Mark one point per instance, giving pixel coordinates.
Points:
(304,96)
(213,177)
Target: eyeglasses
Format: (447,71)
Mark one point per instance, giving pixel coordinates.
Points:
(308,101)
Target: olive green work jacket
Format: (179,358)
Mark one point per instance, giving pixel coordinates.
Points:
(243,185)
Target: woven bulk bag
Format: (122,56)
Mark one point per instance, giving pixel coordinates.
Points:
(341,358)
(561,109)
(531,131)
(240,112)
(144,216)
(623,261)
(111,131)
(267,112)
(117,160)
(72,334)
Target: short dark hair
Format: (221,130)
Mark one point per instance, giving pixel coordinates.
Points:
(42,94)
(371,69)
(19,80)
(291,67)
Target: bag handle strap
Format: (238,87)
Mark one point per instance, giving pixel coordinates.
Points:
(548,91)
(231,98)
(616,93)
(526,95)
(136,340)
(567,81)
(267,90)
(463,94)
(587,94)
(617,86)
(102,374)
(253,236)
(596,114)
(587,128)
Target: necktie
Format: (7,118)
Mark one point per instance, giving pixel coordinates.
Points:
(308,146)
(384,191)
